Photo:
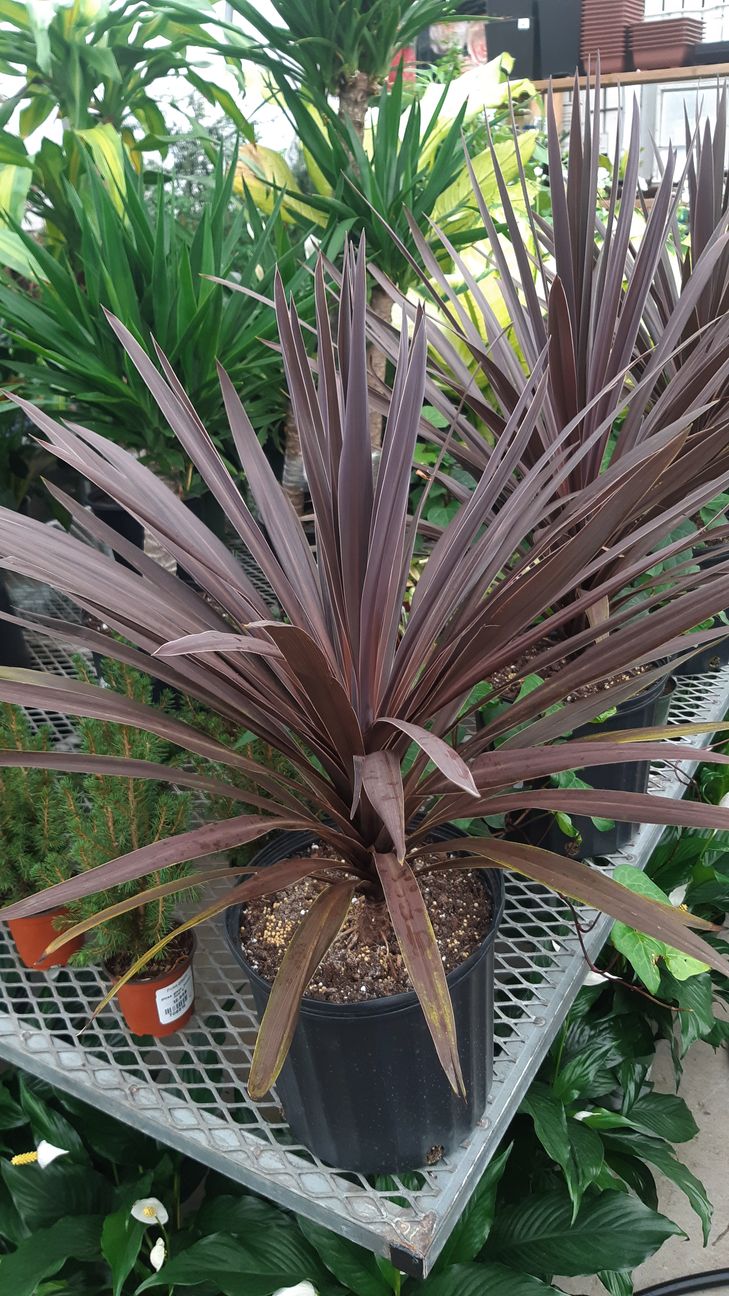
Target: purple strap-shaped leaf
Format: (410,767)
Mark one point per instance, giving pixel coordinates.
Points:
(419,947)
(378,774)
(305,951)
(211,641)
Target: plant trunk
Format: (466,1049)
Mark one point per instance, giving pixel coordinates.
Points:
(381,305)
(354,96)
(294,480)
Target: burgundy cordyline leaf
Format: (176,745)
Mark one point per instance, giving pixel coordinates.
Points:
(422,957)
(360,682)
(305,951)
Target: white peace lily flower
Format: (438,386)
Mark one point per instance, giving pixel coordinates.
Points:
(583,1115)
(48,1152)
(158,1254)
(301,1289)
(149,1210)
(678,895)
(44,1154)
(595,978)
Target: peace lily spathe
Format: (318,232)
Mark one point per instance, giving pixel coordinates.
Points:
(158,1254)
(44,1154)
(301,1289)
(150,1210)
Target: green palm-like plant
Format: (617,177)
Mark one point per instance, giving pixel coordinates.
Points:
(359,684)
(94,61)
(155,272)
(336,47)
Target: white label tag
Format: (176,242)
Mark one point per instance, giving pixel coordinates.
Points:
(523,24)
(174,1000)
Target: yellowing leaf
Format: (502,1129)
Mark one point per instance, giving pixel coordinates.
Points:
(459,196)
(108,152)
(14,185)
(266,174)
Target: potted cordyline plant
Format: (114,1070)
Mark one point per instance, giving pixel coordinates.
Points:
(630,356)
(363,703)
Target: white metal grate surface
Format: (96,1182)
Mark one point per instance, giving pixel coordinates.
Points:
(189,1090)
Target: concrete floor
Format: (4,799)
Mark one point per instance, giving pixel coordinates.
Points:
(705,1087)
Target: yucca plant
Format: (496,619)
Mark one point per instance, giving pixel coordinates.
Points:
(410,167)
(333,47)
(156,273)
(362,699)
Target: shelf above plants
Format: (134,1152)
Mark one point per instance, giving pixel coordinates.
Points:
(189,1091)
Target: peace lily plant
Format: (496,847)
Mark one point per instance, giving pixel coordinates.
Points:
(356,680)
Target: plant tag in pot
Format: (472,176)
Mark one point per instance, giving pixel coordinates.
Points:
(174,1000)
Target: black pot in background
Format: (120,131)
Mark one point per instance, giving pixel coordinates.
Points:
(558,37)
(115,516)
(13,648)
(714,655)
(362,1087)
(207,510)
(514,31)
(540,826)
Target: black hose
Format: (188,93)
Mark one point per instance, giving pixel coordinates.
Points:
(702,1282)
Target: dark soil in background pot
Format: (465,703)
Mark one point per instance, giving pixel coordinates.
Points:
(362,1087)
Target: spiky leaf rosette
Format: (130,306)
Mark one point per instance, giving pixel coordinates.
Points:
(359,697)
(638,355)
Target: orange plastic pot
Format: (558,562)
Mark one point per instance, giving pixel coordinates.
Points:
(159,1005)
(33,935)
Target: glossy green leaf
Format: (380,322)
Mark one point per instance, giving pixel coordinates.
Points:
(355,1268)
(611,1232)
(42,1255)
(472,1230)
(259,1266)
(487,1277)
(121,1240)
(661,1155)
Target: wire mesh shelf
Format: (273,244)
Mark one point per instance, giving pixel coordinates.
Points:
(189,1091)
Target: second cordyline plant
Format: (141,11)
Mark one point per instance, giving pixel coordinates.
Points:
(361,697)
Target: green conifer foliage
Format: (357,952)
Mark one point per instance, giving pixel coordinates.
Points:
(32,848)
(106,817)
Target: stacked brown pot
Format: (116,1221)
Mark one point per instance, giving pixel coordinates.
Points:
(665,43)
(605,32)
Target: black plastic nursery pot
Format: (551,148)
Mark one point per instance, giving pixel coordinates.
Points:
(116,516)
(13,648)
(715,655)
(362,1087)
(558,36)
(540,827)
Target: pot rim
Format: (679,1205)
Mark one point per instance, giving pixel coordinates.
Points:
(147,978)
(385,1005)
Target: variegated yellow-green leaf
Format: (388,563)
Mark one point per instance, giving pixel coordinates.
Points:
(108,151)
(459,195)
